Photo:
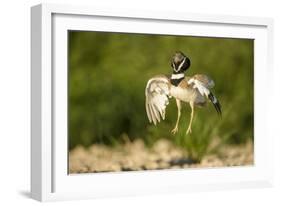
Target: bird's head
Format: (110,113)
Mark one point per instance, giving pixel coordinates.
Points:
(179,62)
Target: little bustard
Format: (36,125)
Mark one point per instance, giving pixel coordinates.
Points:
(193,90)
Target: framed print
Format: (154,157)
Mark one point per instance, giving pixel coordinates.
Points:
(137,102)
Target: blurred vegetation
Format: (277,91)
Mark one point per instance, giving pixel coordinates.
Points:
(108,73)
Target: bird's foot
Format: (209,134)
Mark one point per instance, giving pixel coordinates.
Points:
(175,130)
(188,131)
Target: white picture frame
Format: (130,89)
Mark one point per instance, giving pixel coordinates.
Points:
(49,177)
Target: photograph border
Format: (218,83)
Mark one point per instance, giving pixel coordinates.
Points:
(43,89)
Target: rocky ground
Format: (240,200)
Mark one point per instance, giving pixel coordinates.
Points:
(163,155)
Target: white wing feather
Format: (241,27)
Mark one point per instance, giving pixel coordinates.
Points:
(157,92)
(202,88)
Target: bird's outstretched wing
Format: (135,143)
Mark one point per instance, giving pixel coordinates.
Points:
(204,80)
(157,91)
(203,83)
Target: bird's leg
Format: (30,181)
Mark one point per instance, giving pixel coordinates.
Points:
(191,118)
(175,130)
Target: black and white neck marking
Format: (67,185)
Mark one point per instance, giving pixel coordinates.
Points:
(179,66)
(177,78)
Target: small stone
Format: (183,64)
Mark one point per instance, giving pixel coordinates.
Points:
(151,165)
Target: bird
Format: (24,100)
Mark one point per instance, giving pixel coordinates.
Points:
(194,90)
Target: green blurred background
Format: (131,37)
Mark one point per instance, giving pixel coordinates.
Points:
(108,73)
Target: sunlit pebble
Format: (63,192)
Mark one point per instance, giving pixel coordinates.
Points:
(163,165)
(151,165)
(212,161)
(128,163)
(83,169)
(137,145)
(152,157)
(209,160)
(137,168)
(135,156)
(162,146)
(165,157)
(115,167)
(78,152)
(137,162)
(176,154)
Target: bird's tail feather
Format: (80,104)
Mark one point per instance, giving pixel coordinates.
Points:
(215,102)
